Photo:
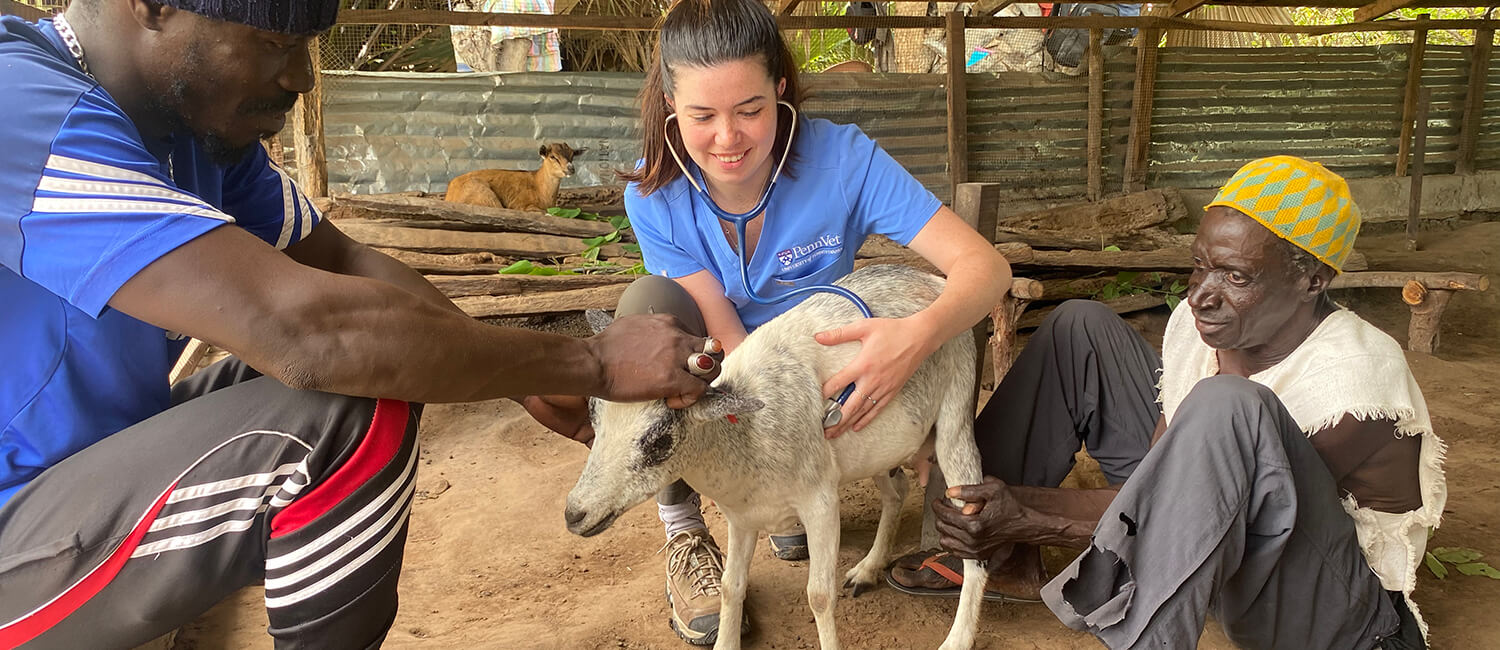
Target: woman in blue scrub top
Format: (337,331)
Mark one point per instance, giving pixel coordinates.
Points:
(722,68)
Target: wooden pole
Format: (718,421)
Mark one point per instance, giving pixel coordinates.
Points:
(1096,114)
(1479,72)
(1414,59)
(307,131)
(1139,149)
(958,109)
(978,204)
(1419,164)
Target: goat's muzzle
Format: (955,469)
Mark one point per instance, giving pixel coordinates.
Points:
(578,521)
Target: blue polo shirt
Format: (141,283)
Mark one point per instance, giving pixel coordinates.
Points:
(86,203)
(846,188)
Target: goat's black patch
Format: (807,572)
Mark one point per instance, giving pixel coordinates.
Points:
(1129,525)
(656,444)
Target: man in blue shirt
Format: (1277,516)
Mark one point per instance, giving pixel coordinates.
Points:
(137,210)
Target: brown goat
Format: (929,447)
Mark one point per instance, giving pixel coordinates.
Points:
(515,189)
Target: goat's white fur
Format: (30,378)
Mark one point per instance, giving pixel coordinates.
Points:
(775,465)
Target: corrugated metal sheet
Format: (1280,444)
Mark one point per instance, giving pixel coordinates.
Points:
(400,132)
(1030,132)
(1487,149)
(1216,109)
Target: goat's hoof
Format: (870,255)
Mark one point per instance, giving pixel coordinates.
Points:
(859,589)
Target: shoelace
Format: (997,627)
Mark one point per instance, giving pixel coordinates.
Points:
(704,565)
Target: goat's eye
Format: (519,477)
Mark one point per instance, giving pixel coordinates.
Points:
(656,445)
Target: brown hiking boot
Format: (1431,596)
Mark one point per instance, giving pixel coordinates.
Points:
(695,567)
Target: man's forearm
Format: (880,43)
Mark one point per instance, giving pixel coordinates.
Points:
(1061,516)
(370,263)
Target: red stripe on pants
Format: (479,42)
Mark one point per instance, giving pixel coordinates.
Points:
(375,451)
(33,625)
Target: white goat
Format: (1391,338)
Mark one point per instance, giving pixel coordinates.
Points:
(770,463)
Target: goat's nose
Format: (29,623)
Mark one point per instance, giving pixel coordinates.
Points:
(573,515)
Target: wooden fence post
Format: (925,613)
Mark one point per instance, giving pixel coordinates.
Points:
(1096,114)
(1414,59)
(1479,72)
(307,131)
(1138,153)
(958,106)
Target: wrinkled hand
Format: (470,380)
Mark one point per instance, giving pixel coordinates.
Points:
(565,414)
(890,351)
(644,357)
(989,518)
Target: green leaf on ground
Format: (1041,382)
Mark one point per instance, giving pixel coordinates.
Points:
(1436,567)
(1456,554)
(566,213)
(1479,569)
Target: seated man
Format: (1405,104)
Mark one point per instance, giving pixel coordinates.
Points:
(1293,473)
(137,209)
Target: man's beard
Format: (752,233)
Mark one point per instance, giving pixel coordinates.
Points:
(220,150)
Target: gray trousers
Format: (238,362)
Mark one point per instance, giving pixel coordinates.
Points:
(1232,511)
(653,294)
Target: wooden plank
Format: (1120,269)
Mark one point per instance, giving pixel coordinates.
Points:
(553,302)
(1414,59)
(1180,8)
(459,264)
(1096,115)
(978,204)
(13,8)
(646,23)
(1419,165)
(527,246)
(1445,281)
(788,6)
(1138,148)
(958,121)
(307,131)
(1479,72)
(414,208)
(494,284)
(1380,8)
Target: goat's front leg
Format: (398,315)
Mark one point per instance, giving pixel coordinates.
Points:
(820,516)
(864,576)
(736,575)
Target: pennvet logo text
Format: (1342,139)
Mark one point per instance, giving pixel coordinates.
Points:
(798,255)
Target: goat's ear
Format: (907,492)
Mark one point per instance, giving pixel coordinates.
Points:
(542,151)
(579,152)
(723,401)
(598,319)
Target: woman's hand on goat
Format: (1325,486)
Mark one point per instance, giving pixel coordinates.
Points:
(890,352)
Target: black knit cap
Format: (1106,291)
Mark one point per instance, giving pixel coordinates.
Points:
(285,16)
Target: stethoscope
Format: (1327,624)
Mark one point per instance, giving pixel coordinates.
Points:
(833,414)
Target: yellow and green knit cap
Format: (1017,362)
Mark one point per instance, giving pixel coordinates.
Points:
(1299,200)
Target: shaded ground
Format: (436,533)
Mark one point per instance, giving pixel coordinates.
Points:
(489,564)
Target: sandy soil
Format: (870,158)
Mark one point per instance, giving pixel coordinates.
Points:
(489,564)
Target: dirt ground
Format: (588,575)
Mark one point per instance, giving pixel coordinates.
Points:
(489,564)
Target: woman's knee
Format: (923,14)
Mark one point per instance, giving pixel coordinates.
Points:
(654,294)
